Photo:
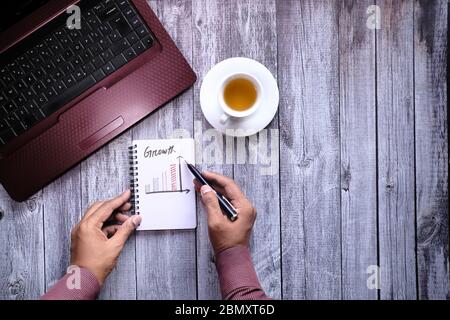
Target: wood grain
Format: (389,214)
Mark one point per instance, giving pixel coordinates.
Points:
(104,175)
(211,44)
(62,203)
(363,175)
(358,149)
(254,27)
(22,249)
(308,73)
(431,133)
(395,124)
(166,260)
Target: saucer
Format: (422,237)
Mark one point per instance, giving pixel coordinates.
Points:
(239,127)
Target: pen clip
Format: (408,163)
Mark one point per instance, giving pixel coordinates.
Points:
(228,202)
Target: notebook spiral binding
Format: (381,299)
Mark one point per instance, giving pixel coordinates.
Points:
(134,181)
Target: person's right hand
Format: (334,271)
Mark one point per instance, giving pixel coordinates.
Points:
(223,233)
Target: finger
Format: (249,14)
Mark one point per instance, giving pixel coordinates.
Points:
(120,217)
(125,208)
(92,209)
(126,229)
(211,203)
(224,185)
(111,230)
(197,185)
(106,209)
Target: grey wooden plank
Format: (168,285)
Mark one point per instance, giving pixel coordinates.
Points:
(253,27)
(105,175)
(395,122)
(431,128)
(358,149)
(309,149)
(22,249)
(166,260)
(62,210)
(211,44)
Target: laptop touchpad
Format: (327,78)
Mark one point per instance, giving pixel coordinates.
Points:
(100,134)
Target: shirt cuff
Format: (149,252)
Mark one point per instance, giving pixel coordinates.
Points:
(236,271)
(77,284)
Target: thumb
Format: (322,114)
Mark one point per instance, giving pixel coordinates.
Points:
(126,229)
(210,201)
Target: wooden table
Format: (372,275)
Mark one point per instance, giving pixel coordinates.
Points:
(362,142)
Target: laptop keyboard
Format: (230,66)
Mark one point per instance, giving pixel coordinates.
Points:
(55,64)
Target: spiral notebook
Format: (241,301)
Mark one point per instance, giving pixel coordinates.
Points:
(162,187)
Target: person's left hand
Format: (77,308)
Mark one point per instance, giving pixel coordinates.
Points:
(97,247)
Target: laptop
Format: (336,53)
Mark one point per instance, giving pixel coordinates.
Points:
(68,89)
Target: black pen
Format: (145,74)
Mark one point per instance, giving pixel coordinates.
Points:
(224,203)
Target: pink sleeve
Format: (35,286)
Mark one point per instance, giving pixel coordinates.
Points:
(237,276)
(68,288)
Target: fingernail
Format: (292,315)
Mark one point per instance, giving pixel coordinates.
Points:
(205,189)
(137,219)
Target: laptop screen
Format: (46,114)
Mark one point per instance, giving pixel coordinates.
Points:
(12,11)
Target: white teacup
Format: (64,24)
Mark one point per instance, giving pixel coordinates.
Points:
(231,113)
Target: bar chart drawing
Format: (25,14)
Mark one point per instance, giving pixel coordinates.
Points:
(166,181)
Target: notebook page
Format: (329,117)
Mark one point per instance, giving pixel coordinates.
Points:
(166,192)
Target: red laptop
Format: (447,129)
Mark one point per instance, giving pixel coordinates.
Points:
(74,75)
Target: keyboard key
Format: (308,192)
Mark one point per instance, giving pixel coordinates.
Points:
(29,80)
(27,119)
(38,87)
(10,93)
(108,68)
(38,73)
(129,12)
(9,106)
(147,41)
(119,23)
(118,61)
(88,68)
(104,44)
(50,93)
(79,74)
(115,36)
(68,54)
(98,75)
(120,46)
(123,4)
(69,81)
(129,54)
(105,29)
(139,47)
(77,62)
(97,62)
(108,13)
(15,124)
(32,108)
(87,41)
(41,99)
(19,100)
(132,38)
(29,94)
(135,22)
(106,55)
(59,87)
(68,95)
(142,32)
(20,85)
(77,47)
(95,49)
